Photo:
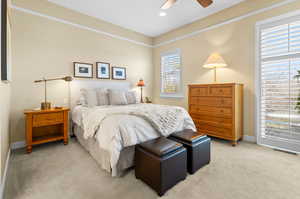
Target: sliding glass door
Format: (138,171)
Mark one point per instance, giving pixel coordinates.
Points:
(278,97)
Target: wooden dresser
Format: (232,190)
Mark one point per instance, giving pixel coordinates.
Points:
(217,110)
(44,126)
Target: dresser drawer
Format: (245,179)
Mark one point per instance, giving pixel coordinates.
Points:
(199,91)
(220,91)
(219,120)
(203,122)
(212,101)
(207,127)
(209,110)
(47,119)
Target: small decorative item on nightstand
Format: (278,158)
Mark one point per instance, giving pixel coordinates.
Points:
(148,100)
(44,126)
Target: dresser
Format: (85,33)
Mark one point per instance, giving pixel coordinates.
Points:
(44,126)
(217,110)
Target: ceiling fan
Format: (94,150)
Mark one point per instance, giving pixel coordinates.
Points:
(170,3)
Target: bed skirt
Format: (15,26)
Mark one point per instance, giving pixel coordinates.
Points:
(102,156)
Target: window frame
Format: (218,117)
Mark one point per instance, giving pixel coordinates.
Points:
(179,94)
(259,26)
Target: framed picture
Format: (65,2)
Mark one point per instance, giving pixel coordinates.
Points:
(83,70)
(5,43)
(103,70)
(119,73)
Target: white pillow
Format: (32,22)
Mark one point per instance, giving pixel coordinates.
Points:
(102,96)
(131,97)
(89,96)
(117,97)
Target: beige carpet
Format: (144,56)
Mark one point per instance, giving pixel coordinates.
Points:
(55,171)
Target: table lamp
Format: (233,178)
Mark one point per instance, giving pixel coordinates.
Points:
(141,84)
(215,61)
(47,105)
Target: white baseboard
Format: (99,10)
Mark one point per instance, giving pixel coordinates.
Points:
(18,145)
(248,138)
(2,186)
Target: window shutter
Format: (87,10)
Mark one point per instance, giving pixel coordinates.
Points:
(171,74)
(280,87)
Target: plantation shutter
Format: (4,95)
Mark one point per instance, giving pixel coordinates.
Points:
(280,83)
(171,74)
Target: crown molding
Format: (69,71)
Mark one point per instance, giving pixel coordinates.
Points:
(79,26)
(235,19)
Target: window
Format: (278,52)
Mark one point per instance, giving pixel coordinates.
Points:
(171,85)
(279,88)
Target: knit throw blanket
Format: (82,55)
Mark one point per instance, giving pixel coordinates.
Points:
(165,119)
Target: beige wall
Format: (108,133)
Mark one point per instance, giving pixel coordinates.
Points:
(47,48)
(50,9)
(234,41)
(4,122)
(42,47)
(5,92)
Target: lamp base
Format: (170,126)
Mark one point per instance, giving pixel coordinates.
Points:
(45,105)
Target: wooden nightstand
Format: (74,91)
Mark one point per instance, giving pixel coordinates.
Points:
(44,126)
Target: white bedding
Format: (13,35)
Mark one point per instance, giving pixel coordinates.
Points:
(118,127)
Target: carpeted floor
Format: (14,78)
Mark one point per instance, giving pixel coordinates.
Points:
(248,171)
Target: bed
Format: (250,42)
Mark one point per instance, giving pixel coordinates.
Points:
(110,132)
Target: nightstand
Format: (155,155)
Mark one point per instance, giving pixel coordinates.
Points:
(44,126)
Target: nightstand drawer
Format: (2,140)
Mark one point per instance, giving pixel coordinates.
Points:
(46,119)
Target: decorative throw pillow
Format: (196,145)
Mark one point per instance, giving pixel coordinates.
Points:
(102,96)
(131,97)
(89,96)
(117,97)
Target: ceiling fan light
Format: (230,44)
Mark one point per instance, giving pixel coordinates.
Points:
(162,14)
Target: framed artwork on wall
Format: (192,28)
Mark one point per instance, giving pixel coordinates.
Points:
(5,42)
(103,70)
(119,73)
(83,70)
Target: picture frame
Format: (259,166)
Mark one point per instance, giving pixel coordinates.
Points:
(5,43)
(118,73)
(102,70)
(83,70)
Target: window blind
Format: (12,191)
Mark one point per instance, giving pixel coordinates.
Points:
(280,81)
(171,74)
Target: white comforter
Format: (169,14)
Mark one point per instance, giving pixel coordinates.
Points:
(141,122)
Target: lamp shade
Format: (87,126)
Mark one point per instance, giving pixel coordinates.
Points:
(141,83)
(215,61)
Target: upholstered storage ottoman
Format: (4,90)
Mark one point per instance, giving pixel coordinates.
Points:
(160,163)
(198,148)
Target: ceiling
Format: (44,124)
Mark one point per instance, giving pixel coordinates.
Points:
(143,15)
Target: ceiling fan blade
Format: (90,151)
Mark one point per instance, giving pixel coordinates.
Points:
(168,4)
(205,3)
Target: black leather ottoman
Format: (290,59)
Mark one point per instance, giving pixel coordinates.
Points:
(160,163)
(198,148)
